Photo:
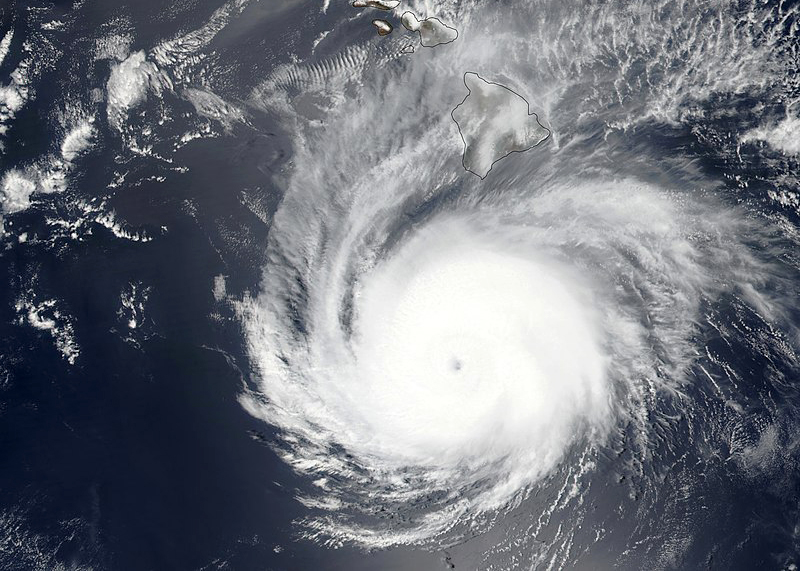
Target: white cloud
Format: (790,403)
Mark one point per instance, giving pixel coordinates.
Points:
(783,136)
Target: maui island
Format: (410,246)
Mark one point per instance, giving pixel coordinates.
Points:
(432,31)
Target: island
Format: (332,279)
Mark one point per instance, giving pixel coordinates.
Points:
(494,122)
(384,28)
(432,31)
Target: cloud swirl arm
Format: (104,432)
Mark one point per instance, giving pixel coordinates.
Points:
(433,348)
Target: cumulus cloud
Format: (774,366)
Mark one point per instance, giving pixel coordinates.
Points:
(783,136)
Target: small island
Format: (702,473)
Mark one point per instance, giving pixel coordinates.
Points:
(383,27)
(494,122)
(432,31)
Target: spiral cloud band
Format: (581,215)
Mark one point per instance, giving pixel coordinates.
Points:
(432,347)
(459,367)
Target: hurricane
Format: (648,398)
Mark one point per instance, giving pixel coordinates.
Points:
(439,352)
